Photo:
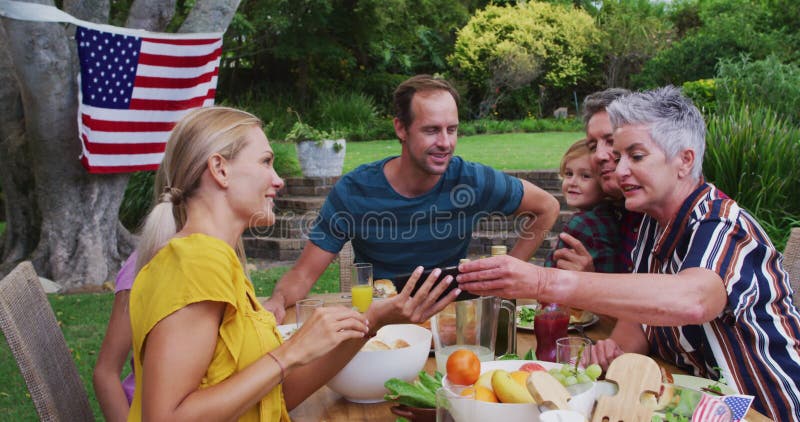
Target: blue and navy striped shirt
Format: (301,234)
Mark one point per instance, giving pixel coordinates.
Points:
(753,343)
(396,233)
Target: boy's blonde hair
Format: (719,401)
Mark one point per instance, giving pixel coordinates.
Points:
(577,149)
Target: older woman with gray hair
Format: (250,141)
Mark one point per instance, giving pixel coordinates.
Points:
(709,293)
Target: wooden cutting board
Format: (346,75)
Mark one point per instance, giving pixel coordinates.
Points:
(634,374)
(547,391)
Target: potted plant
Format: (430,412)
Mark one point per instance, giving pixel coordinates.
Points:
(320,153)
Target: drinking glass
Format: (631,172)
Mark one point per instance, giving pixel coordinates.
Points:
(304,308)
(549,325)
(361,286)
(570,350)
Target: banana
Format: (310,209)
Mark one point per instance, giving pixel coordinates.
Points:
(485,380)
(508,390)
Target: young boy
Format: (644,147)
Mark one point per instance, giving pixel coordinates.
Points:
(594,224)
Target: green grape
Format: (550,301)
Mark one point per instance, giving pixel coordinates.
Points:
(566,370)
(593,371)
(560,377)
(583,378)
(570,380)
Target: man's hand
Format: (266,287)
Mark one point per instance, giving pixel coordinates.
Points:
(274,305)
(405,308)
(574,257)
(604,352)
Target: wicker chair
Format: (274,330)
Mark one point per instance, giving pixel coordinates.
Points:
(39,347)
(791,263)
(346,257)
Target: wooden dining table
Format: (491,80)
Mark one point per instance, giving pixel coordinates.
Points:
(326,405)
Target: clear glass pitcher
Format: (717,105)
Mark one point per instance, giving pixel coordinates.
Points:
(470,324)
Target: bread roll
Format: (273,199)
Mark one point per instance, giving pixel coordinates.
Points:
(384,288)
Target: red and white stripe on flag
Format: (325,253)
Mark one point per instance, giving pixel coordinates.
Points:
(132,91)
(711,409)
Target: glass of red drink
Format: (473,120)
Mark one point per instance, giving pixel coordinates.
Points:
(549,325)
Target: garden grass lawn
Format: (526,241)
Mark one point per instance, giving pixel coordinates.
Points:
(508,151)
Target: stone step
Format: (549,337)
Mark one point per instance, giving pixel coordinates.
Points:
(280,249)
(273,248)
(311,181)
(512,222)
(548,180)
(295,225)
(299,203)
(292,225)
(482,242)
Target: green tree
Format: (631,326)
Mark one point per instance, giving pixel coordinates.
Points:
(727,29)
(304,47)
(633,32)
(504,48)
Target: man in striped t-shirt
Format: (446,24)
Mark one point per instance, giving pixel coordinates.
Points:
(710,293)
(418,208)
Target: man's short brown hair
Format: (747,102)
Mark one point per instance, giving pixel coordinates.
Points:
(406,90)
(599,101)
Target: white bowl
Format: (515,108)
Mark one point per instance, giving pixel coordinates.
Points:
(474,410)
(362,380)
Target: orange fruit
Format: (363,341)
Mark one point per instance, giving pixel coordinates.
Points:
(520,377)
(484,394)
(463,367)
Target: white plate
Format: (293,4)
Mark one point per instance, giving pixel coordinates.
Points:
(697,383)
(287,330)
(525,327)
(592,320)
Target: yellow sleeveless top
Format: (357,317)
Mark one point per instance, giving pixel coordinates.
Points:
(198,268)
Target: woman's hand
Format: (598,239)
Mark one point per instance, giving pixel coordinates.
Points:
(405,308)
(326,329)
(604,352)
(503,276)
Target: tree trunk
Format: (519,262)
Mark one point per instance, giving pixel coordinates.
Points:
(16,177)
(79,240)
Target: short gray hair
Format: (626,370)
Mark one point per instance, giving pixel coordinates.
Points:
(599,101)
(675,123)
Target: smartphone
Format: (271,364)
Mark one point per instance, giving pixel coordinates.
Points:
(401,280)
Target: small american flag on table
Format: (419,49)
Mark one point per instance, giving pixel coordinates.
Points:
(132,91)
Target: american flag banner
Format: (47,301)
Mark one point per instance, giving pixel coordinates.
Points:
(132,91)
(711,409)
(134,85)
(739,405)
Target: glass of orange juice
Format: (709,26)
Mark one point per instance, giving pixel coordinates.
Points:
(361,286)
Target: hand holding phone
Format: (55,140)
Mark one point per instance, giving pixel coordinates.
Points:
(401,280)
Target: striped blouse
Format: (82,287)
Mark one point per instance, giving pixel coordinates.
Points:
(753,344)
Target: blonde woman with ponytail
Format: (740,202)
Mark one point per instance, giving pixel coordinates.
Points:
(204,347)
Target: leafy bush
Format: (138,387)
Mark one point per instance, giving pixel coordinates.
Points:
(286,164)
(137,199)
(728,28)
(481,126)
(703,94)
(765,82)
(344,111)
(504,48)
(752,155)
